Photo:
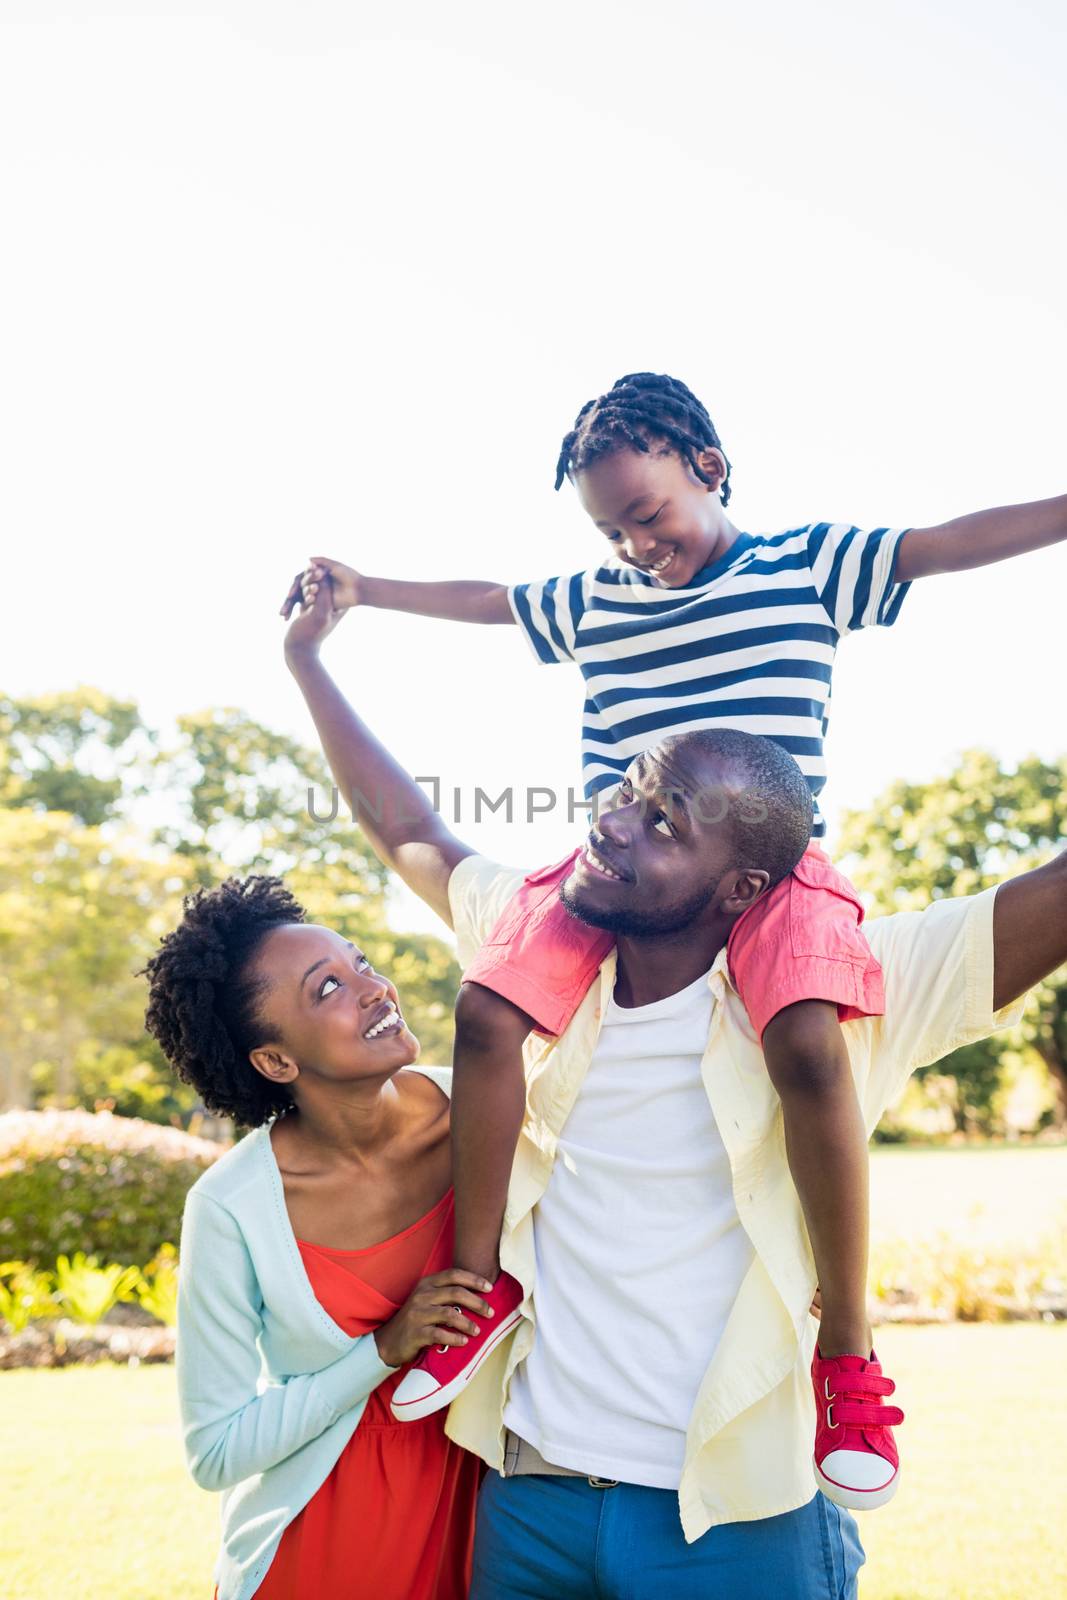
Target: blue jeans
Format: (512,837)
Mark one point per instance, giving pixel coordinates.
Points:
(549,1538)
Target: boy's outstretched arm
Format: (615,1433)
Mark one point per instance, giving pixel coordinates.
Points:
(461,600)
(981,538)
(403,828)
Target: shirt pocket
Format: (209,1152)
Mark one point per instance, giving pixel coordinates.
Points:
(825,913)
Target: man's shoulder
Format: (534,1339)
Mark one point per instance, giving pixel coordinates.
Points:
(938,971)
(893,935)
(478,891)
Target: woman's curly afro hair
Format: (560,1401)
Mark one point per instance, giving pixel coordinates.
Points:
(204,998)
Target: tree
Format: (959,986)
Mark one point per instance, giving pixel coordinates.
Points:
(238,800)
(80,752)
(959,835)
(79,914)
(106,824)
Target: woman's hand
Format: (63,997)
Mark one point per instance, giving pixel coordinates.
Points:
(317,618)
(348,585)
(433,1314)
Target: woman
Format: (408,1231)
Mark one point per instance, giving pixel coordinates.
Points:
(312,1258)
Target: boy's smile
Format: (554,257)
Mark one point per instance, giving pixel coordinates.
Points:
(656,513)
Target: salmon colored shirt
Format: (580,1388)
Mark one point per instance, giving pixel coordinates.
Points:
(395,1517)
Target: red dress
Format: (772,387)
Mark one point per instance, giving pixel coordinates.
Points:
(395,1518)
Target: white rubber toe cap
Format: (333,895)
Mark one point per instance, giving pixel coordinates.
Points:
(419,1385)
(857,1479)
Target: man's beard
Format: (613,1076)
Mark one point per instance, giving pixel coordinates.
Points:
(631,922)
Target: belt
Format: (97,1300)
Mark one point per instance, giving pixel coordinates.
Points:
(521,1459)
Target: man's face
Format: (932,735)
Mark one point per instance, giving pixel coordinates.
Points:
(662,855)
(654,510)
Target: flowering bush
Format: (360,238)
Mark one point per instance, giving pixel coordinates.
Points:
(78,1180)
(969,1279)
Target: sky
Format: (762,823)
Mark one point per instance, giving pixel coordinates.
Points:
(336,279)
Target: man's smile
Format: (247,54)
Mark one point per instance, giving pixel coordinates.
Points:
(594,859)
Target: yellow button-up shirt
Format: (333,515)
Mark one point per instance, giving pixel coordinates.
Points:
(749,1440)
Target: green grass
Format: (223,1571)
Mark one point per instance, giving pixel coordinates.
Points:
(96,1502)
(979,1512)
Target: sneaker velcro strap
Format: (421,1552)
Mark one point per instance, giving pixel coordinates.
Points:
(863,1383)
(855,1414)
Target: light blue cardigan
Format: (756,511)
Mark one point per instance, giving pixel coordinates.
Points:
(271,1389)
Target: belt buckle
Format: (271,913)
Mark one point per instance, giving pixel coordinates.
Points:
(603,1483)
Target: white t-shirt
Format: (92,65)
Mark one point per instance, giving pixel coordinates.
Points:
(640,1254)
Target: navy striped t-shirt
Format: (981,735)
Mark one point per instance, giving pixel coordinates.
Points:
(748,644)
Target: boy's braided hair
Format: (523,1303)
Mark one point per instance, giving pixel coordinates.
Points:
(205,1001)
(638,410)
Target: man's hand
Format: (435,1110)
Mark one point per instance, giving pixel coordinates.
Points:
(348,585)
(433,1314)
(317,618)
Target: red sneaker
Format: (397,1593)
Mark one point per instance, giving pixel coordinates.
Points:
(856,1462)
(443,1370)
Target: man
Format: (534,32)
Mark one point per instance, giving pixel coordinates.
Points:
(649,1422)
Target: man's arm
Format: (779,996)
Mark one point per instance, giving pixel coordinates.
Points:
(403,828)
(981,538)
(1029,930)
(462,600)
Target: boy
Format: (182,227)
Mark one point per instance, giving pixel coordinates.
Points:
(695,624)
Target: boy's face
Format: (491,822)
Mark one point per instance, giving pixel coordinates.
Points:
(654,510)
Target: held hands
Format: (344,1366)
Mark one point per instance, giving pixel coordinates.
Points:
(432,1314)
(348,585)
(316,619)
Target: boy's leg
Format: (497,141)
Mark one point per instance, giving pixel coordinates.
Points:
(856,1462)
(488,1100)
(533,971)
(826,1143)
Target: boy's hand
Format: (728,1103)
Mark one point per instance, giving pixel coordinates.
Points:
(348,585)
(318,616)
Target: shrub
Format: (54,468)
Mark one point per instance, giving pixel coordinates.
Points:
(157,1288)
(969,1278)
(25,1295)
(75,1180)
(86,1291)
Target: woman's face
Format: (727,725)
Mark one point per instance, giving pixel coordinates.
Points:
(334,1017)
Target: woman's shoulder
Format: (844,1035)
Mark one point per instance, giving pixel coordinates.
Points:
(242,1167)
(441,1076)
